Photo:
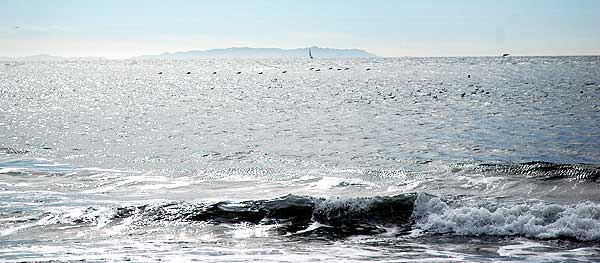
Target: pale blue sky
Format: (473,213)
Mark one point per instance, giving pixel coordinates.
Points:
(120,28)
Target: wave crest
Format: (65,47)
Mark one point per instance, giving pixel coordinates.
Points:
(538,220)
(547,170)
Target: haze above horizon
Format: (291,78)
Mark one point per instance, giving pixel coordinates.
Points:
(121,29)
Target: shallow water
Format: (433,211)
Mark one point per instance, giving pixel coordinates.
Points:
(410,161)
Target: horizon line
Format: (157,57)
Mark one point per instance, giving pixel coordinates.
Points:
(375,56)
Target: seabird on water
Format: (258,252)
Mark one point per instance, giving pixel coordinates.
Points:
(505,55)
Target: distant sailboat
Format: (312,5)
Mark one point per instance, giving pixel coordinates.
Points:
(310,54)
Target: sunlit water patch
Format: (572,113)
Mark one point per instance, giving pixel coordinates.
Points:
(410,161)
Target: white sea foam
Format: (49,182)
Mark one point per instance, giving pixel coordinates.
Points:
(244,230)
(537,252)
(537,220)
(328,182)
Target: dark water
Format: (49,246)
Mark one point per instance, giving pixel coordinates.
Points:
(410,161)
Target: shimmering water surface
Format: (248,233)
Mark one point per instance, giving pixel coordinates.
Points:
(389,160)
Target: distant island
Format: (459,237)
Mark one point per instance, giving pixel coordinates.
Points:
(247,52)
(234,52)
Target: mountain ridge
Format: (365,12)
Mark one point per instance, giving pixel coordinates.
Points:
(224,53)
(249,52)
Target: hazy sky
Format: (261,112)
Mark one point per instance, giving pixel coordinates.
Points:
(121,28)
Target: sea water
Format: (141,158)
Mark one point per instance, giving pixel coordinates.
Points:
(341,160)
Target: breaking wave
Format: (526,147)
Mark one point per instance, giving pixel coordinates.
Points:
(341,216)
(338,217)
(543,170)
(533,219)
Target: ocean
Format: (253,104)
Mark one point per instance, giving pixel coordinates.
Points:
(482,159)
